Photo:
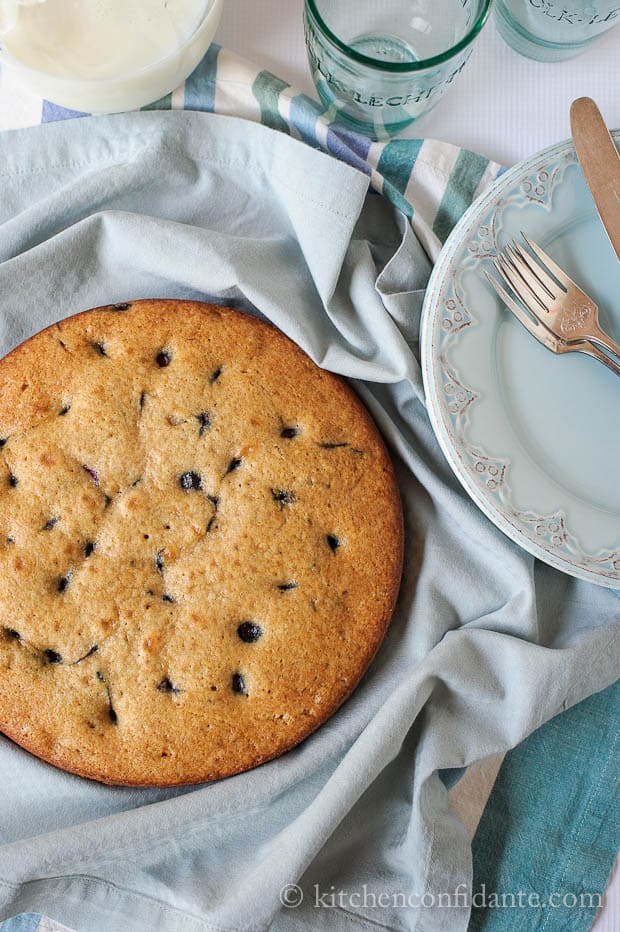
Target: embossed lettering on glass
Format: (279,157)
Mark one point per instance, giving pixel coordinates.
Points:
(378,66)
(552,30)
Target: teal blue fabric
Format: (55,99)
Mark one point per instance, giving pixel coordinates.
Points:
(551,828)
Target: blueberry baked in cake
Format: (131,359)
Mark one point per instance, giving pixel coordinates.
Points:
(201,543)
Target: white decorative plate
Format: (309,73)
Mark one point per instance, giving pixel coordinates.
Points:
(534,438)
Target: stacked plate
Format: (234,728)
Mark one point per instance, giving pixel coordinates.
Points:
(534,438)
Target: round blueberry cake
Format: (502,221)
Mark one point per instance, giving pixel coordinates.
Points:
(201,543)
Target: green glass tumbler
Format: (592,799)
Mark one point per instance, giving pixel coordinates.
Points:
(553,30)
(378,66)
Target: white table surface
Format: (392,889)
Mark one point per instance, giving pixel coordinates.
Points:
(504,106)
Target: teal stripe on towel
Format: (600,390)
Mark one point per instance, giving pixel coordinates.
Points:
(551,828)
(464,180)
(201,84)
(397,161)
(396,165)
(267,89)
(164,103)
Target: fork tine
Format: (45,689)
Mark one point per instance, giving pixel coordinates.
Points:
(555,270)
(541,274)
(533,326)
(509,275)
(510,302)
(532,282)
(517,282)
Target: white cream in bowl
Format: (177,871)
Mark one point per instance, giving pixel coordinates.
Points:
(106,55)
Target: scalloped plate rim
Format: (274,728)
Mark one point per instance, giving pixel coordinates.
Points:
(438,276)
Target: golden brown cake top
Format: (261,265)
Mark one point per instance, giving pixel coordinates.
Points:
(200,543)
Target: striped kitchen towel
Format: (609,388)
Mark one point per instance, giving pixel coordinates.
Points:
(432,182)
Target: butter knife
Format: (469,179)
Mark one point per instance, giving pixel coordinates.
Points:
(599,162)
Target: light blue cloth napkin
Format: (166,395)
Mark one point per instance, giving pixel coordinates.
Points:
(485,646)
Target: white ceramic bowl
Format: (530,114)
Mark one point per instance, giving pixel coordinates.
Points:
(128,91)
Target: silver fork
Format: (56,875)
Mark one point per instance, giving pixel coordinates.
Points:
(544,336)
(555,299)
